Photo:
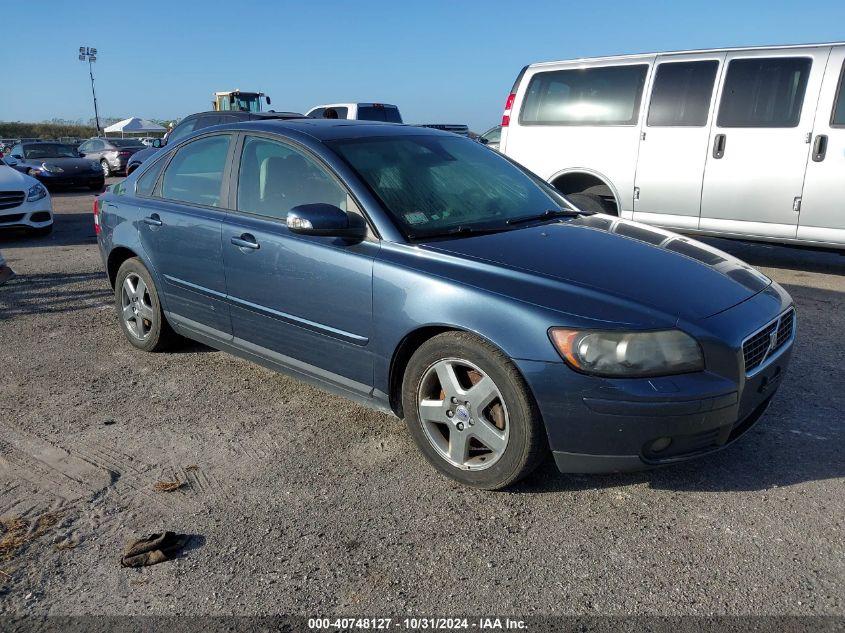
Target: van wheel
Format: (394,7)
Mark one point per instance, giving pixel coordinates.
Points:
(592,202)
(139,309)
(471,413)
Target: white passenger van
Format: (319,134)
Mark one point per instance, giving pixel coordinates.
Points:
(745,143)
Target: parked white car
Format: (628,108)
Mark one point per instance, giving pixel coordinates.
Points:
(357,111)
(746,142)
(24,202)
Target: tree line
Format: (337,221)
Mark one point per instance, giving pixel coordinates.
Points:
(58,127)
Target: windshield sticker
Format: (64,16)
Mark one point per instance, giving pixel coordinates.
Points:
(416,217)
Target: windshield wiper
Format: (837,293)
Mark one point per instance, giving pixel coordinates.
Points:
(462,230)
(550,214)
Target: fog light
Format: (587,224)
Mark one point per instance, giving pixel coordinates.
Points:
(660,444)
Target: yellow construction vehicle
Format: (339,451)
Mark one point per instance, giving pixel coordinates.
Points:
(239,100)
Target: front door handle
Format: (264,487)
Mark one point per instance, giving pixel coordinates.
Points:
(820,148)
(153,220)
(719,146)
(246,241)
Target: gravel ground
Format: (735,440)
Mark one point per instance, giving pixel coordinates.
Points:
(304,503)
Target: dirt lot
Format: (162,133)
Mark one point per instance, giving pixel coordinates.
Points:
(303,503)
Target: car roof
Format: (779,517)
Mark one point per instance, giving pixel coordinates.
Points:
(332,129)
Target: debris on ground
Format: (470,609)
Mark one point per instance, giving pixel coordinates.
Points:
(154,549)
(168,485)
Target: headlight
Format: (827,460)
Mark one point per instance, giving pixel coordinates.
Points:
(53,169)
(628,354)
(36,192)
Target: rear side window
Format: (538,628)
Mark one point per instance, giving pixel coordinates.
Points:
(608,95)
(195,174)
(681,94)
(764,92)
(146,183)
(379,113)
(838,118)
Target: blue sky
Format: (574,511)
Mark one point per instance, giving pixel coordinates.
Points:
(446,62)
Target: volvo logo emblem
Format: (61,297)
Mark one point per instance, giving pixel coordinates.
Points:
(461,414)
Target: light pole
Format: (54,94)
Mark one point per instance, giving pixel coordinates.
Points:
(90,54)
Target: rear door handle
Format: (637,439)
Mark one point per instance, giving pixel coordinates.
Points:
(820,148)
(719,146)
(246,241)
(153,220)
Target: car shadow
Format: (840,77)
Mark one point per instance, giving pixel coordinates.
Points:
(53,293)
(69,229)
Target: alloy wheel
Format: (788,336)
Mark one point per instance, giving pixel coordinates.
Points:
(137,306)
(463,414)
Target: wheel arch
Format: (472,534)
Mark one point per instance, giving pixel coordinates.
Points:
(585,180)
(117,256)
(406,348)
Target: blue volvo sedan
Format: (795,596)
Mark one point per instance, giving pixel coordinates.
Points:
(418,273)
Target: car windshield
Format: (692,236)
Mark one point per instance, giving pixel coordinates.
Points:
(434,185)
(49,150)
(125,142)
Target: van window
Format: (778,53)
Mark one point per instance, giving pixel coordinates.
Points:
(195,173)
(608,95)
(838,118)
(681,94)
(764,92)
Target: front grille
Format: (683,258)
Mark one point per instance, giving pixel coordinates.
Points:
(759,346)
(11,199)
(12,217)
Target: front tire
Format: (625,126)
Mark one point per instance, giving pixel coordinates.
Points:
(471,413)
(139,308)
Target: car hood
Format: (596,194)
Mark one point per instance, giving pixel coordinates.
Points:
(68,164)
(13,180)
(655,268)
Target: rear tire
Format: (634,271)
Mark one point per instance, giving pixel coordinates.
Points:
(106,169)
(591,202)
(139,308)
(471,413)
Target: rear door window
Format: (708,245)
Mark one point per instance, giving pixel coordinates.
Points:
(681,94)
(195,174)
(764,92)
(605,95)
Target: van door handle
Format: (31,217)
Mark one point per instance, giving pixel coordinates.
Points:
(820,148)
(719,145)
(246,241)
(153,220)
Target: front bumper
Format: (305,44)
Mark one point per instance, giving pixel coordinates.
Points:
(599,425)
(33,215)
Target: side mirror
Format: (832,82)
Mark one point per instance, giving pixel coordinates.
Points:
(326,220)
(156,143)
